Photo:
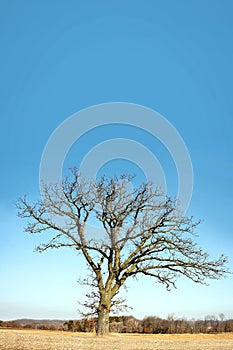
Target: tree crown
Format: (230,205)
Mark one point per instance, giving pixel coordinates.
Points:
(143,232)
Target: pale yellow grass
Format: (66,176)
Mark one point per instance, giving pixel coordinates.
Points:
(51,340)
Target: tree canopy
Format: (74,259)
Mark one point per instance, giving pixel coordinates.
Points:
(143,234)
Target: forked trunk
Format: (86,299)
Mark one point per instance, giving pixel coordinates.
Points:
(103,320)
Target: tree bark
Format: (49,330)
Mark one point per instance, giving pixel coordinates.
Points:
(103,320)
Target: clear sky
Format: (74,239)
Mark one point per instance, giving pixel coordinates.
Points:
(58,57)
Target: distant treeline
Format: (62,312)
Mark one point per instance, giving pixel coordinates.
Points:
(129,324)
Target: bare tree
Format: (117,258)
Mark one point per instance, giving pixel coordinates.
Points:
(144,234)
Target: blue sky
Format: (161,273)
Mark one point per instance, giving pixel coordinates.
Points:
(59,57)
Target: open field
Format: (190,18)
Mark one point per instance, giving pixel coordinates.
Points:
(52,340)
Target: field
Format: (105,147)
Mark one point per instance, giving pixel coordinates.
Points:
(51,340)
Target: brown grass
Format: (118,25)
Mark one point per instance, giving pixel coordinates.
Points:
(51,340)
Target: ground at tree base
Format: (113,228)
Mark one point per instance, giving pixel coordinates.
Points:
(52,340)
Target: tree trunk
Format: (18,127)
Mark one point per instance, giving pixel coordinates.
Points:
(103,320)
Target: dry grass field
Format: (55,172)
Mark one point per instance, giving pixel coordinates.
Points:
(51,340)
